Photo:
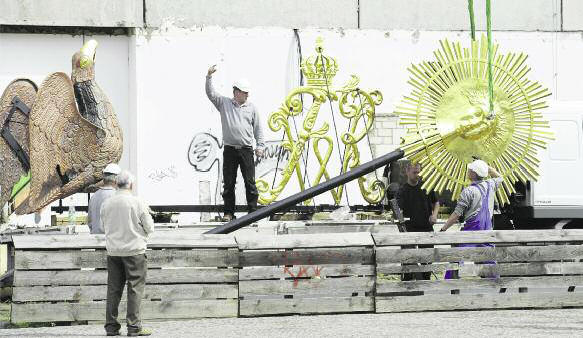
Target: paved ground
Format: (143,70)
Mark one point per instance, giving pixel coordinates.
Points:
(525,323)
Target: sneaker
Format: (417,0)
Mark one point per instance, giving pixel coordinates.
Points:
(116,333)
(142,332)
(228,217)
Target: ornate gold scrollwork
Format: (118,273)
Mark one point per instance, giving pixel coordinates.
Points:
(354,104)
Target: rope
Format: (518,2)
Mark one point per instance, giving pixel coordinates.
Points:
(333,121)
(472,23)
(490,83)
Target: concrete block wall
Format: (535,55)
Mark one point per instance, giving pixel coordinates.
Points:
(71,13)
(423,15)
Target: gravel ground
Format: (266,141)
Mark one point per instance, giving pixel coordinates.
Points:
(523,323)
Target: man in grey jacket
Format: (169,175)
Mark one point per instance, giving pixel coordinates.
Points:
(240,125)
(127,223)
(107,190)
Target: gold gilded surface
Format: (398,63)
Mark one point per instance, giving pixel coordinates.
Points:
(354,104)
(449,123)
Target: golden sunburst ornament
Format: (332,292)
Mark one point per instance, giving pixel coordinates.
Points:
(449,121)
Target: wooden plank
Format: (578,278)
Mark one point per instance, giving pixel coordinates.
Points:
(97,277)
(503,269)
(162,239)
(308,271)
(386,286)
(316,256)
(99,292)
(261,307)
(306,288)
(396,268)
(327,229)
(253,242)
(74,259)
(68,312)
(481,254)
(476,301)
(497,236)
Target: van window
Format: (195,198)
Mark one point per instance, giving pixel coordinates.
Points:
(566,145)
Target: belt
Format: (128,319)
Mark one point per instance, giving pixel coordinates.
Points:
(239,147)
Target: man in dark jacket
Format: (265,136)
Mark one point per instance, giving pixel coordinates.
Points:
(421,208)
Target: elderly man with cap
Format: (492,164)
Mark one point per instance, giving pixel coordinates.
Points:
(240,125)
(105,191)
(476,203)
(128,224)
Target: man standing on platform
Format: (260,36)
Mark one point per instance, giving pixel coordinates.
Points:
(421,208)
(127,223)
(240,125)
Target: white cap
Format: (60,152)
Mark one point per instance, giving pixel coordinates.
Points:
(479,167)
(243,85)
(112,168)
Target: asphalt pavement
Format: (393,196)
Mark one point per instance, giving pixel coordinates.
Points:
(500,323)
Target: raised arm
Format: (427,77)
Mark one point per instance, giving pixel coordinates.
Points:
(213,96)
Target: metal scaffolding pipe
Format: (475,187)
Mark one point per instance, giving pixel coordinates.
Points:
(271,209)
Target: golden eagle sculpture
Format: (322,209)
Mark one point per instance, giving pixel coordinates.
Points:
(64,134)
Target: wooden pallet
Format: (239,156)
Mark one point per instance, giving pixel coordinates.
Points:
(299,274)
(64,277)
(535,269)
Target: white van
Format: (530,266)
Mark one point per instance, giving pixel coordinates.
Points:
(556,199)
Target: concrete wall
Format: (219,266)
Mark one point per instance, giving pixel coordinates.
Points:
(85,13)
(423,15)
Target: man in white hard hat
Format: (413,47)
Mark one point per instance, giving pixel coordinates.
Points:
(107,190)
(240,126)
(476,203)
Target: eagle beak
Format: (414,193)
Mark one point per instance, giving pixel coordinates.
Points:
(88,54)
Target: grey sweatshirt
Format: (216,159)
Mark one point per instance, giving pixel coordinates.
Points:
(93,216)
(470,200)
(127,223)
(240,123)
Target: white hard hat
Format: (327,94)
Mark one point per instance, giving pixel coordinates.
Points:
(112,168)
(243,85)
(479,167)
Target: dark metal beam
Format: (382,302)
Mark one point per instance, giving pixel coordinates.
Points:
(307,194)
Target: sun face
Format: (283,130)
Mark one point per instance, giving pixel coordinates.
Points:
(449,120)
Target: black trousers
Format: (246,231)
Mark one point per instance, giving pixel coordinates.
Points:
(232,159)
(130,269)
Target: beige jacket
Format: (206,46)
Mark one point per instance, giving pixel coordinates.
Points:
(127,223)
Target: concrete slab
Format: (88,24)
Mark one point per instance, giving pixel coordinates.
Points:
(572,13)
(517,15)
(87,13)
(227,13)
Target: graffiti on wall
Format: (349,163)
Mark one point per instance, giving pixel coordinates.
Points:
(205,156)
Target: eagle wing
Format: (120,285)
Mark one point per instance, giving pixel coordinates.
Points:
(11,169)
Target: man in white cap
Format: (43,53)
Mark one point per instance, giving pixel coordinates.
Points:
(476,202)
(240,126)
(476,205)
(107,190)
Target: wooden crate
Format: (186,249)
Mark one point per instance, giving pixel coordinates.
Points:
(535,269)
(64,277)
(298,274)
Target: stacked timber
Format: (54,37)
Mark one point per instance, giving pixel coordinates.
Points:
(298,274)
(64,278)
(524,269)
